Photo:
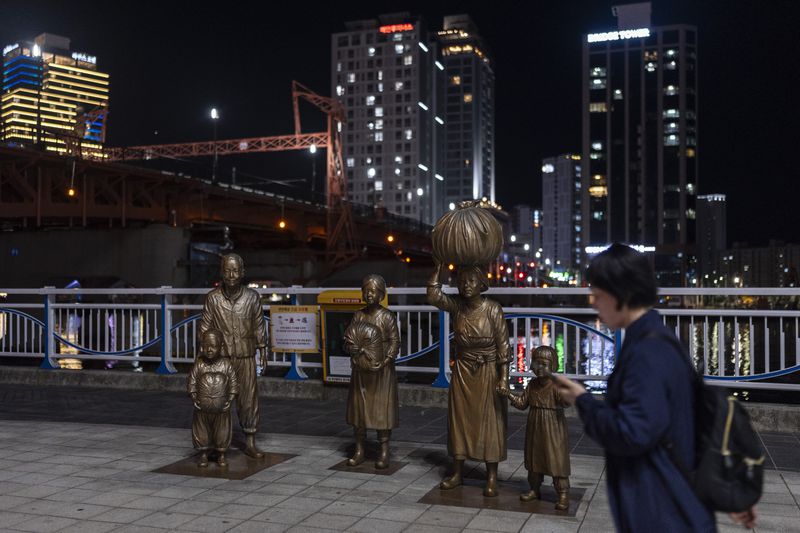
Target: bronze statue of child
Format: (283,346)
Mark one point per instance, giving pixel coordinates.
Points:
(213,386)
(546,440)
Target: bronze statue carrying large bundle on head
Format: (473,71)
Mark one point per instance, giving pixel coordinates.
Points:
(477,413)
(468,235)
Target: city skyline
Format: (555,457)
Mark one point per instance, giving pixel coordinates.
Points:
(744,103)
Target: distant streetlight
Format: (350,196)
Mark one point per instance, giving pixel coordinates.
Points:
(313,150)
(214,119)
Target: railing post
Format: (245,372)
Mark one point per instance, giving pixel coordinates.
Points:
(295,372)
(166,366)
(444,351)
(49,334)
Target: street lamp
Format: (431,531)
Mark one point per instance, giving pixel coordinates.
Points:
(313,150)
(214,119)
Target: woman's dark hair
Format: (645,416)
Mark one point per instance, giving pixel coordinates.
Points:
(625,274)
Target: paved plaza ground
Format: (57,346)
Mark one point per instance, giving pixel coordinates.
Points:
(83,460)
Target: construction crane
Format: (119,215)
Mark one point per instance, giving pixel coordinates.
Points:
(340,246)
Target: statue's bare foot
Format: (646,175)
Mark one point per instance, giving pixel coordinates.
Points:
(203,462)
(250,449)
(529,496)
(451,482)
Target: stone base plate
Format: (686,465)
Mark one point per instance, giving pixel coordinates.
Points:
(239,466)
(368,467)
(470,494)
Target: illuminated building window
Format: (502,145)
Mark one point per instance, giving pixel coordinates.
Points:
(671,113)
(398,159)
(370,100)
(371,51)
(671,127)
(378,111)
(650,66)
(597,145)
(598,72)
(370,125)
(380,87)
(339,90)
(670,90)
(597,107)
(597,215)
(378,185)
(397,37)
(670,65)
(598,191)
(351,162)
(398,48)
(597,83)
(671,53)
(379,124)
(339,66)
(595,155)
(690,152)
(650,55)
(408,60)
(351,77)
(690,214)
(398,86)
(467,98)
(671,140)
(455,80)
(380,75)
(409,134)
(617,94)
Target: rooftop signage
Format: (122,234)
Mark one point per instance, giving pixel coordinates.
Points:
(641,248)
(9,48)
(394,28)
(84,57)
(640,33)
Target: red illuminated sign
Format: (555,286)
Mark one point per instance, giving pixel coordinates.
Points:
(394,28)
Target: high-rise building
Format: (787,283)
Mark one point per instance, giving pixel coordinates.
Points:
(526,225)
(711,232)
(52,97)
(465,104)
(639,141)
(382,71)
(419,135)
(562,213)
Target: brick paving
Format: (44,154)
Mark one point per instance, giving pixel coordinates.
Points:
(83,459)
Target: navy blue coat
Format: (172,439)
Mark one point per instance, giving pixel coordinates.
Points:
(650,397)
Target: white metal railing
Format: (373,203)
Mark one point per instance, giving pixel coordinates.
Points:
(734,343)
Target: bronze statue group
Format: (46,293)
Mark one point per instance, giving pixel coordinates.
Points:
(232,328)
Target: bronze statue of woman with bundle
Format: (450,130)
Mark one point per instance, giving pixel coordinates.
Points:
(470,238)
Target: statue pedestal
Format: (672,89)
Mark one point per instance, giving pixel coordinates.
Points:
(368,467)
(239,466)
(470,494)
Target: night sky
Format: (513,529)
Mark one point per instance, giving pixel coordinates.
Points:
(170,62)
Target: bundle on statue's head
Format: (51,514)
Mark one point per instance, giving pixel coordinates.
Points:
(467,236)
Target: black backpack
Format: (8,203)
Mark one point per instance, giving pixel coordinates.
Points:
(728,473)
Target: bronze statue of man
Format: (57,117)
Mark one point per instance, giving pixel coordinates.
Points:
(372,399)
(477,413)
(236,311)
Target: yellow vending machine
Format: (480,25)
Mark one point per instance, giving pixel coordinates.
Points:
(337,308)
